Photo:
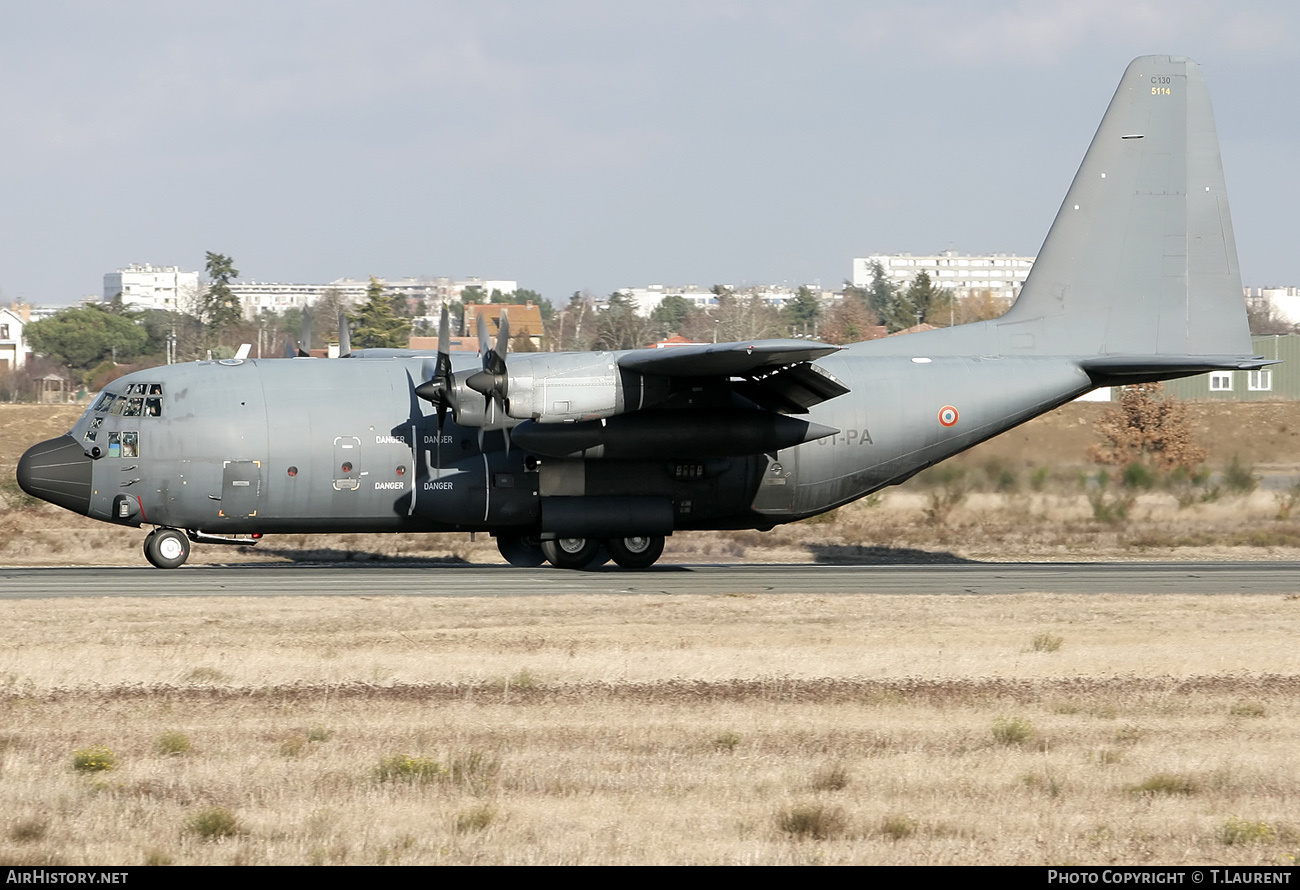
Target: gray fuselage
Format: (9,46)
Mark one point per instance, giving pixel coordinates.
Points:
(311,445)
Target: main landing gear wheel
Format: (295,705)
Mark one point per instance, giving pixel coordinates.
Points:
(639,552)
(524,551)
(571,553)
(166,548)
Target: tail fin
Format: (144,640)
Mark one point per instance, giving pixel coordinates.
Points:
(1141,259)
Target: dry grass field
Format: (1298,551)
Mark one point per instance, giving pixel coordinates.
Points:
(651,729)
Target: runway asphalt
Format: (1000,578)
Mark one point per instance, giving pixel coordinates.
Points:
(406,579)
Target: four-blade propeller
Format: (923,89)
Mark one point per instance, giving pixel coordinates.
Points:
(440,389)
(493,381)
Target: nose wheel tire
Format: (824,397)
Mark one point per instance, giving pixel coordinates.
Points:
(166,548)
(571,553)
(524,551)
(638,552)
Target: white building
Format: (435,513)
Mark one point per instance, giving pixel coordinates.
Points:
(1001,274)
(13,349)
(1283,301)
(256,297)
(646,299)
(152,287)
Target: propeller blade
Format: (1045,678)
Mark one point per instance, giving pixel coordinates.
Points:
(484,340)
(304,342)
(439,388)
(444,337)
(345,335)
(492,381)
(443,370)
(503,341)
(290,348)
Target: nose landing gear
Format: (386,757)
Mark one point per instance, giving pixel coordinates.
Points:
(166,548)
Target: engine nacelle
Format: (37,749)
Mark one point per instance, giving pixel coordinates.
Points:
(557,388)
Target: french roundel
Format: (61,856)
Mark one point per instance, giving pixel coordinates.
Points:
(948,415)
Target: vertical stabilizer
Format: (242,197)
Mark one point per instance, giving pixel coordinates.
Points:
(1141,259)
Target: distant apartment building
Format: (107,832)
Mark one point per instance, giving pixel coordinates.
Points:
(1000,274)
(1282,302)
(646,299)
(167,287)
(257,297)
(152,287)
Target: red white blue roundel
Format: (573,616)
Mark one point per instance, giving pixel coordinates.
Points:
(948,415)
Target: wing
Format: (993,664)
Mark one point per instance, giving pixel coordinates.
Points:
(713,359)
(778,375)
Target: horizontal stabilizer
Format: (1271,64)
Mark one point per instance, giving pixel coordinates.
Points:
(1117,370)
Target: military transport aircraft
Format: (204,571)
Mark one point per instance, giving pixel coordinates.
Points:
(567,457)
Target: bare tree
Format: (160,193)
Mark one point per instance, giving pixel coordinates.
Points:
(1147,426)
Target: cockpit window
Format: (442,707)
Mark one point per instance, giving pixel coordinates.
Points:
(136,400)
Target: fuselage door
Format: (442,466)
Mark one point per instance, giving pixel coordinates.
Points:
(347,458)
(241,485)
(776,490)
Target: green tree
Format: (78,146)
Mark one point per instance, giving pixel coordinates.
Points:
(802,313)
(220,307)
(886,303)
(376,324)
(670,315)
(83,338)
(574,327)
(619,327)
(927,301)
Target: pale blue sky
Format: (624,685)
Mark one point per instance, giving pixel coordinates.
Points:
(585,145)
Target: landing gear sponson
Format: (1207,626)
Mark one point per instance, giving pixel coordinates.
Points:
(528,551)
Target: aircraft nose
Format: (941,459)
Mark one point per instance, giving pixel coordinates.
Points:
(58,471)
